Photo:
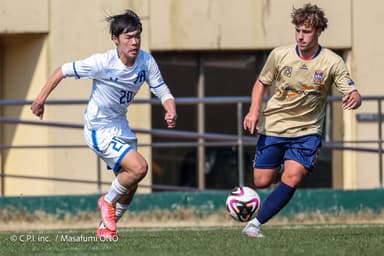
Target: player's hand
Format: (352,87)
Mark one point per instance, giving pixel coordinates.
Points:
(37,109)
(250,122)
(351,100)
(170,118)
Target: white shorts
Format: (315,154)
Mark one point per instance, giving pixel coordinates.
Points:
(111,143)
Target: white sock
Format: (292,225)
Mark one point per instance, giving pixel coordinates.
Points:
(255,222)
(120,210)
(115,192)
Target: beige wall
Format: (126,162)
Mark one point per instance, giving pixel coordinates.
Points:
(39,35)
(23,16)
(367,68)
(20,80)
(246,24)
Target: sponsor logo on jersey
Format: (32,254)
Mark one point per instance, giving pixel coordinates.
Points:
(305,90)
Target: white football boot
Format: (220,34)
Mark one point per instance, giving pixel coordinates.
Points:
(251,230)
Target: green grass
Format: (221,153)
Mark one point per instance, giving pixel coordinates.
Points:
(280,240)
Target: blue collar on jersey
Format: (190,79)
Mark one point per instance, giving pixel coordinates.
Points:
(314,56)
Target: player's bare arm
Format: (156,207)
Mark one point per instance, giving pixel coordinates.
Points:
(252,118)
(170,116)
(37,106)
(351,100)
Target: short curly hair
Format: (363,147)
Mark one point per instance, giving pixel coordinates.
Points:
(309,15)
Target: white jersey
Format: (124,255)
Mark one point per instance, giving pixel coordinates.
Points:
(115,85)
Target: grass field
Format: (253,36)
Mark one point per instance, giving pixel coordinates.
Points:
(280,240)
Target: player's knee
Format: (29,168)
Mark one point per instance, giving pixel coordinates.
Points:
(261,181)
(135,167)
(263,178)
(137,171)
(292,180)
(140,170)
(293,173)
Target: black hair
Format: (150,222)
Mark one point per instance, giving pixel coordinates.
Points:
(123,23)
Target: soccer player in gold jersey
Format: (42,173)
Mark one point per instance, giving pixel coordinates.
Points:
(291,123)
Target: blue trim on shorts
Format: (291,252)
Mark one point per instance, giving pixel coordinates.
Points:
(116,168)
(94,141)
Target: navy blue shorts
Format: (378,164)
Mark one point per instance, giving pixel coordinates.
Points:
(271,151)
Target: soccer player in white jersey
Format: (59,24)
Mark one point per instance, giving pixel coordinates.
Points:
(117,76)
(291,123)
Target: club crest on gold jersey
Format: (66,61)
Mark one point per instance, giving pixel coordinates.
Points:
(318,76)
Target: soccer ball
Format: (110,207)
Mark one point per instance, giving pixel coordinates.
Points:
(243,203)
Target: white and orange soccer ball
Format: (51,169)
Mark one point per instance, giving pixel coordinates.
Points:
(243,203)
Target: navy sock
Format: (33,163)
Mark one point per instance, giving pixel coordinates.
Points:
(278,198)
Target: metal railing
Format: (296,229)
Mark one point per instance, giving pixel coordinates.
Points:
(203,139)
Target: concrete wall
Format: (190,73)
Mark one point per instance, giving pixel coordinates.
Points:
(244,24)
(39,35)
(367,67)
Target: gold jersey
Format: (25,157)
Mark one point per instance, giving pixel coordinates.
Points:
(297,107)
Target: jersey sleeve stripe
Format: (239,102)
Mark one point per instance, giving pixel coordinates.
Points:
(157,86)
(74,70)
(265,84)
